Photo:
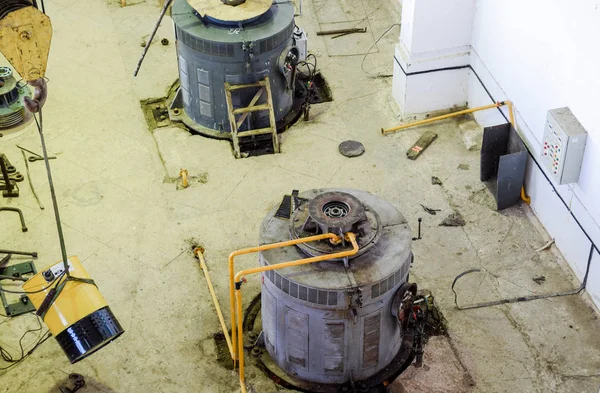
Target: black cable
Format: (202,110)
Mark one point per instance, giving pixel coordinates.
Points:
(37,291)
(526,298)
(42,340)
(7,356)
(362,64)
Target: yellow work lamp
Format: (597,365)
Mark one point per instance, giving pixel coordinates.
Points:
(73,309)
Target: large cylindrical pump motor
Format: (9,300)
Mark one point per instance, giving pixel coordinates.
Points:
(212,52)
(339,322)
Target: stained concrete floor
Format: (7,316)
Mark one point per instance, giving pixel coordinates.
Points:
(125,218)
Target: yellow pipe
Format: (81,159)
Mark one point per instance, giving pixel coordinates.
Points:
(331,236)
(198,251)
(184,178)
(238,291)
(442,117)
(511,116)
(524,196)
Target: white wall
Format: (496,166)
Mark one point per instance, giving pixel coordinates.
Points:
(544,54)
(428,41)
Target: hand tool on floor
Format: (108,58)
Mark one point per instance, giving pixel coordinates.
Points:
(34,158)
(16,177)
(431,211)
(14,209)
(37,198)
(539,280)
(341,32)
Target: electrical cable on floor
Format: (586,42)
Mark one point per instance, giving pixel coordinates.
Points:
(362,64)
(8,357)
(526,298)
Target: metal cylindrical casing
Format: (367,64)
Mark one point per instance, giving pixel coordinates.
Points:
(79,318)
(210,54)
(12,110)
(327,323)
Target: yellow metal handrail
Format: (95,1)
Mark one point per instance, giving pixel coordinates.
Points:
(351,237)
(332,237)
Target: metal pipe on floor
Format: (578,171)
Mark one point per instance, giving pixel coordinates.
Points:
(244,251)
(385,131)
(239,277)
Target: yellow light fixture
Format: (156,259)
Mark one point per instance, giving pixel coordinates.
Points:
(74,311)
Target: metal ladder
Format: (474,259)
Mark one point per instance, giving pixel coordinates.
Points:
(263,86)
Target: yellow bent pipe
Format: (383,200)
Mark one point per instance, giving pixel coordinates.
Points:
(238,291)
(511,116)
(498,104)
(198,251)
(250,250)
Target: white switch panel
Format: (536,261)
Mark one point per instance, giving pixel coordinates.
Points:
(563,145)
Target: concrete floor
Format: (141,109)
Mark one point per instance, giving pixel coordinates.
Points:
(125,218)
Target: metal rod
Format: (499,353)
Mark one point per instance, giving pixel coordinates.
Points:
(160,18)
(37,198)
(20,213)
(28,151)
(198,251)
(13,278)
(31,254)
(343,31)
(385,131)
(61,237)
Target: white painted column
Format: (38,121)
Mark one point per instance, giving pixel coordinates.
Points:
(434,34)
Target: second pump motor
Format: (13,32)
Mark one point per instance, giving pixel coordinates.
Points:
(212,52)
(339,324)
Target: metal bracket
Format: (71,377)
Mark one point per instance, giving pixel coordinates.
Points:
(23,306)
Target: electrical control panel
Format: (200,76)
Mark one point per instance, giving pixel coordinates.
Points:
(563,145)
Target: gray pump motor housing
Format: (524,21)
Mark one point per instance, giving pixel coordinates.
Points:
(211,53)
(327,322)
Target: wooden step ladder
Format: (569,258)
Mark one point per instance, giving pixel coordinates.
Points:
(263,86)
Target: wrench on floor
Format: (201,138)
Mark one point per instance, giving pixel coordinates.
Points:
(16,176)
(34,158)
